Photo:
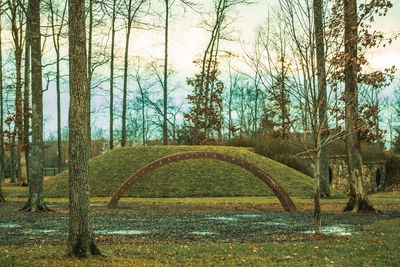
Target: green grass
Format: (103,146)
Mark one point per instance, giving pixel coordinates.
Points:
(378,247)
(188,178)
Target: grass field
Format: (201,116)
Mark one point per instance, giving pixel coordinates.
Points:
(376,246)
(188,178)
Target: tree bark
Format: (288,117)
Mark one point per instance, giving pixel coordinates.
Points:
(27,87)
(112,75)
(358,199)
(125,90)
(255,124)
(317,193)
(2,163)
(89,69)
(80,240)
(35,201)
(165,133)
(56,43)
(12,156)
(16,31)
(322,97)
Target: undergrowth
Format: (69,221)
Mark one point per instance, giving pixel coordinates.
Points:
(286,150)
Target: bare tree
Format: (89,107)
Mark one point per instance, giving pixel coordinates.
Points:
(358,194)
(2,163)
(35,200)
(321,164)
(56,31)
(165,89)
(27,73)
(16,18)
(113,16)
(209,60)
(132,11)
(80,240)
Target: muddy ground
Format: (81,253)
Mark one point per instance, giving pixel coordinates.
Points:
(179,223)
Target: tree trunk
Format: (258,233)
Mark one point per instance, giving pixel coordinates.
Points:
(17,36)
(58,88)
(2,163)
(358,199)
(322,96)
(255,105)
(317,193)
(80,240)
(219,12)
(89,69)
(125,91)
(165,133)
(35,200)
(112,76)
(143,121)
(12,156)
(56,43)
(26,88)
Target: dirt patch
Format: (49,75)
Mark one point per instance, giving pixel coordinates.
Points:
(180,223)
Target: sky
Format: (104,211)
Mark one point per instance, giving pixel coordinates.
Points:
(188,40)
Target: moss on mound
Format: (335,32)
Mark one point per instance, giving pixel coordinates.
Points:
(187,178)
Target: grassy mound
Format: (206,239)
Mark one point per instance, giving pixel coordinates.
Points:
(187,178)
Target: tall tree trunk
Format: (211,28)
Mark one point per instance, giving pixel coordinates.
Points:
(2,163)
(26,87)
(317,173)
(358,199)
(212,63)
(89,70)
(322,96)
(17,36)
(13,155)
(35,201)
(219,12)
(143,121)
(58,88)
(80,240)
(165,133)
(56,43)
(125,90)
(112,75)
(255,105)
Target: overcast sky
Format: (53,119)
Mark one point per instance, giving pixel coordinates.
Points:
(188,41)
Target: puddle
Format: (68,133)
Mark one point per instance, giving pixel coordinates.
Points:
(37,231)
(271,223)
(203,233)
(97,204)
(228,219)
(339,229)
(247,215)
(121,232)
(9,225)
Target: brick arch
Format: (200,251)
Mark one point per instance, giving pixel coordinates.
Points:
(283,197)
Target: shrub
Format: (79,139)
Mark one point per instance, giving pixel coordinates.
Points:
(283,152)
(240,141)
(392,168)
(369,151)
